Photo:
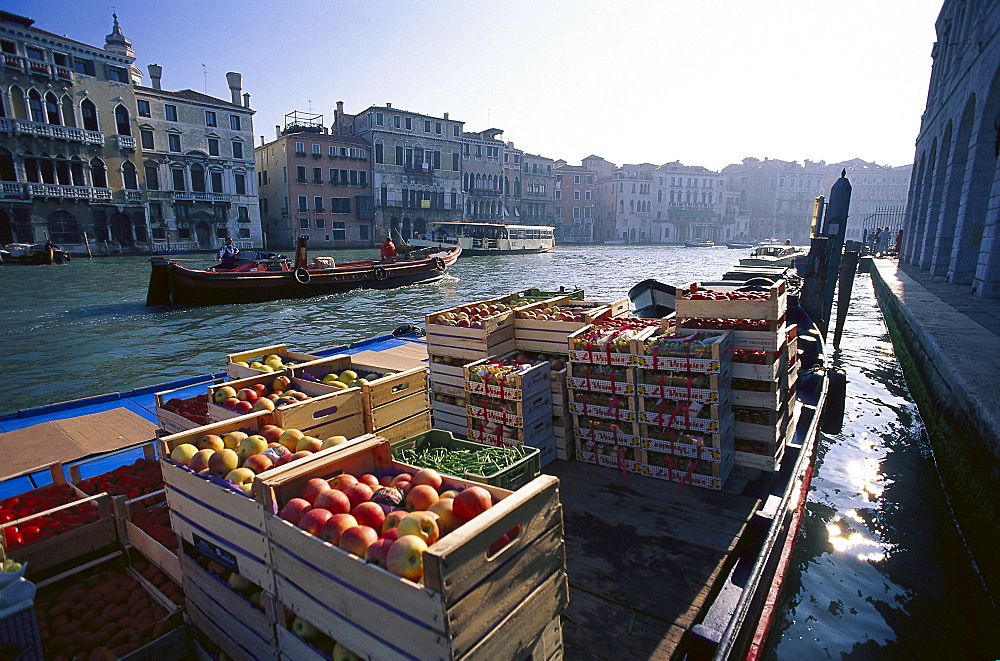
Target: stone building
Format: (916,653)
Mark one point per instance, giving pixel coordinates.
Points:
(604,197)
(482,175)
(575,203)
(776,197)
(69,167)
(315,184)
(537,186)
(878,195)
(954,198)
(512,183)
(689,205)
(197,165)
(416,166)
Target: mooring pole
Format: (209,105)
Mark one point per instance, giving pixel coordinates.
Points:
(813,297)
(86,242)
(847,270)
(835,228)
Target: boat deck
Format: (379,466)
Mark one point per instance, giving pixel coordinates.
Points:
(642,556)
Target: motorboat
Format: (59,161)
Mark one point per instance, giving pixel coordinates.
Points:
(774,255)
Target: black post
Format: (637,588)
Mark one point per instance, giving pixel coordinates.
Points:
(835,228)
(813,295)
(847,270)
(159,282)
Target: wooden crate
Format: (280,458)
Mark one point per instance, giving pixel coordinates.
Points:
(311,388)
(290,646)
(773,308)
(755,340)
(447,378)
(693,477)
(452,415)
(549,335)
(559,385)
(597,378)
(417,424)
(387,387)
(598,405)
(169,421)
(712,356)
(771,431)
(774,397)
(134,536)
(681,414)
(239,372)
(494,337)
(443,617)
(398,410)
(531,434)
(252,630)
(582,350)
(712,447)
(511,413)
(49,556)
(694,386)
(516,387)
(76,469)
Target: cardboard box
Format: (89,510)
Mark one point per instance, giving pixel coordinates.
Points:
(601,379)
(524,384)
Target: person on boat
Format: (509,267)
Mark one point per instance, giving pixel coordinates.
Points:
(388,250)
(227,254)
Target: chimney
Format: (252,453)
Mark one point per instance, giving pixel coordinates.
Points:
(235,81)
(246,99)
(446,115)
(388,105)
(277,131)
(155,73)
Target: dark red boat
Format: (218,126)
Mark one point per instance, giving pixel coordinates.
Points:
(270,279)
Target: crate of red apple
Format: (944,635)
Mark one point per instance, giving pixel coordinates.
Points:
(174,414)
(472,331)
(360,538)
(715,300)
(264,392)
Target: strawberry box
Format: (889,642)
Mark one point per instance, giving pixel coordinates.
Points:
(519,413)
(369,609)
(620,408)
(239,365)
(609,341)
(692,351)
(605,379)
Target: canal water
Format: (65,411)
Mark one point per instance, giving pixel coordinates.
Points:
(880,571)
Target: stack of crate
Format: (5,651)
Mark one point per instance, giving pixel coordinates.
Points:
(510,403)
(540,331)
(764,370)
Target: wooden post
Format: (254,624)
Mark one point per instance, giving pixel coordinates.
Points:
(813,297)
(86,242)
(848,268)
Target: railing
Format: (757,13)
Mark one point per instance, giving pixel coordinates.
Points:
(125,142)
(11,189)
(71,192)
(482,192)
(162,245)
(54,131)
(418,167)
(644,214)
(133,195)
(200,196)
(27,65)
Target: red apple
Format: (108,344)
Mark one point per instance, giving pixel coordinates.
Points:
(242,406)
(313,488)
(421,497)
(376,552)
(358,493)
(402,477)
(391,533)
(230,403)
(294,510)
(314,520)
(302,454)
(495,547)
(356,540)
(385,481)
(369,514)
(343,481)
(370,480)
(406,557)
(334,500)
(335,526)
(247,395)
(271,432)
(260,389)
(427,476)
(258,463)
(392,520)
(472,502)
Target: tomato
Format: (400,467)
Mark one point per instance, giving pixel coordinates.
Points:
(12,536)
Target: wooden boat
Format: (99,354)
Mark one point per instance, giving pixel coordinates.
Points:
(699,243)
(774,255)
(478,239)
(740,245)
(652,299)
(22,253)
(271,279)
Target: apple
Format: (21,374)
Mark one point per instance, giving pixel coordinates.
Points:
(421,497)
(498,544)
(224,393)
(402,477)
(341,653)
(406,557)
(210,442)
(301,454)
(427,476)
(294,510)
(271,433)
(223,461)
(263,404)
(240,476)
(314,520)
(242,406)
(199,461)
(343,481)
(183,453)
(290,438)
(250,446)
(233,439)
(231,403)
(309,443)
(385,480)
(335,526)
(376,552)
(447,519)
(247,395)
(304,630)
(333,441)
(369,514)
(280,383)
(391,533)
(370,480)
(258,463)
(334,500)
(450,493)
(260,389)
(471,502)
(356,540)
(313,488)
(422,524)
(392,520)
(358,493)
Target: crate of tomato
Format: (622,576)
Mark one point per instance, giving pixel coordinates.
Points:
(727,301)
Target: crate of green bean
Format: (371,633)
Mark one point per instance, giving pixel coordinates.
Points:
(507,468)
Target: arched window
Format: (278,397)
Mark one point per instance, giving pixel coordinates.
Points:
(48,168)
(98,173)
(89,113)
(51,108)
(76,170)
(69,119)
(197,178)
(631,206)
(129,177)
(63,227)
(7,171)
(18,108)
(122,121)
(621,206)
(62,171)
(35,106)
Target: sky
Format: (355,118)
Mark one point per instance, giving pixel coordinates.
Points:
(703,82)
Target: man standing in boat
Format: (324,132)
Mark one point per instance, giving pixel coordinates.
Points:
(388,250)
(227,254)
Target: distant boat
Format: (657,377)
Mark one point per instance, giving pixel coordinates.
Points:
(699,243)
(740,245)
(774,255)
(40,253)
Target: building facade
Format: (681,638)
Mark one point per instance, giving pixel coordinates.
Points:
(690,205)
(575,203)
(197,166)
(315,184)
(878,195)
(69,166)
(776,197)
(512,183)
(416,166)
(538,183)
(482,175)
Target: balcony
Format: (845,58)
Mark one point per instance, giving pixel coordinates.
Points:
(53,131)
(644,214)
(125,141)
(419,168)
(191,196)
(27,65)
(482,192)
(11,189)
(68,192)
(133,195)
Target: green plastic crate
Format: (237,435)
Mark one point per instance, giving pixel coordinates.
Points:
(575,294)
(511,478)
